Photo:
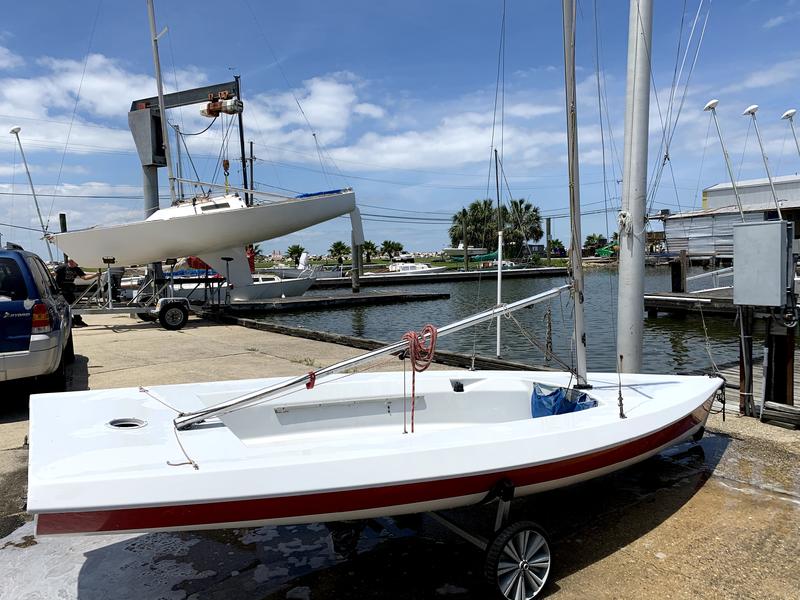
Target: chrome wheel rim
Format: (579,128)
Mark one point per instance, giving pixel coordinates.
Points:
(524,565)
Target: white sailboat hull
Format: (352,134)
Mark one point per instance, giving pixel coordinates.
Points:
(337,451)
(200,233)
(258,290)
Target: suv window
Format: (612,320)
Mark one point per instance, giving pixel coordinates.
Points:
(39,278)
(12,285)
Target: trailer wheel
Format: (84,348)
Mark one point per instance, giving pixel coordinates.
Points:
(518,561)
(173,316)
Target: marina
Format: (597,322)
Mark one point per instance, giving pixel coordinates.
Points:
(201,400)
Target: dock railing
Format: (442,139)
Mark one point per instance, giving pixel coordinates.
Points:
(714,276)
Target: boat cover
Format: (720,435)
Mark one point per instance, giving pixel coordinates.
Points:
(558,402)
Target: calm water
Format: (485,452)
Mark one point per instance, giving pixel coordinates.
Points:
(670,344)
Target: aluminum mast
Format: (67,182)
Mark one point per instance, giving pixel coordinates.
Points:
(630,309)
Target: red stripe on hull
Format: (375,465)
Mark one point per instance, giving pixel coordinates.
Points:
(188,515)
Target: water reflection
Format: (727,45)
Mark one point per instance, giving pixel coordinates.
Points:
(670,344)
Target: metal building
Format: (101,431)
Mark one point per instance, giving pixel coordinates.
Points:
(708,233)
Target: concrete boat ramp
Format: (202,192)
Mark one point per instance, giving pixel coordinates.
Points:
(713,520)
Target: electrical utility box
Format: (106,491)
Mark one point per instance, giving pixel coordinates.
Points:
(763,266)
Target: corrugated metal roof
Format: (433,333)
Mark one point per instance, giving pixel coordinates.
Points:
(763,207)
(783,179)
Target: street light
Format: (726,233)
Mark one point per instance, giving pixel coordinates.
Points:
(789,116)
(711,106)
(751,111)
(15,131)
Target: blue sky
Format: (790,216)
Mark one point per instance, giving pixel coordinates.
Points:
(401,97)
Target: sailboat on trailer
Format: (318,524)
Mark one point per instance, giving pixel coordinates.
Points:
(329,445)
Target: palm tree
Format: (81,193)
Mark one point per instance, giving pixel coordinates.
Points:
(481,223)
(369,248)
(523,224)
(557,247)
(338,250)
(294,252)
(390,248)
(593,242)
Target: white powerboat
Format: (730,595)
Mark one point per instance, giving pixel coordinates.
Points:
(265,286)
(406,269)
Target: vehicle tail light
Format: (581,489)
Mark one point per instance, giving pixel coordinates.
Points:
(41,323)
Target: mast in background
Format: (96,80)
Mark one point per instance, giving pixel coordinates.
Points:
(574,190)
(161,107)
(630,309)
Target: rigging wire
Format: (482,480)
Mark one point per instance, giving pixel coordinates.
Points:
(74,109)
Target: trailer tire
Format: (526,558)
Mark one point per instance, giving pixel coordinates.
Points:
(518,561)
(173,316)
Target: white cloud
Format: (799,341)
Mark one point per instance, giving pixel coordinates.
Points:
(779,73)
(369,110)
(780,20)
(9,60)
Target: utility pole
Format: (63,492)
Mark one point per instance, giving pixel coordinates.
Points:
(547,238)
(464,228)
(16,131)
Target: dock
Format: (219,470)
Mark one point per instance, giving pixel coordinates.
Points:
(442,276)
(309,303)
(710,302)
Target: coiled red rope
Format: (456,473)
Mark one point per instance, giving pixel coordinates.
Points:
(421,355)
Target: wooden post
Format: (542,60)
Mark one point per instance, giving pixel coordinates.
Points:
(780,368)
(746,361)
(679,268)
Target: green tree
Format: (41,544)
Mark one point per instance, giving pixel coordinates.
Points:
(369,249)
(481,221)
(391,248)
(294,252)
(338,250)
(523,224)
(557,247)
(594,241)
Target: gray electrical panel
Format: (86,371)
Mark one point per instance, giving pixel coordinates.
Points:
(763,267)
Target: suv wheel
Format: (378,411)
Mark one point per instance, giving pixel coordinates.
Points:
(57,380)
(69,351)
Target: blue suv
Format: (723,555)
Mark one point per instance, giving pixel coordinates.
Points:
(35,322)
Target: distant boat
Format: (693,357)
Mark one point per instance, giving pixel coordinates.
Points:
(459,251)
(407,269)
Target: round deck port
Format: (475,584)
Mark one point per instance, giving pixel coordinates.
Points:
(127,423)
